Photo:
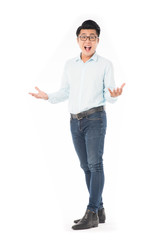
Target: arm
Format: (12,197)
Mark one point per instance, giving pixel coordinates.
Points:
(63,93)
(58,96)
(111,93)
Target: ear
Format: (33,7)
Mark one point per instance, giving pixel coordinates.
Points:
(78,40)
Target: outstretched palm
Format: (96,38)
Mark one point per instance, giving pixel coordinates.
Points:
(40,94)
(116,92)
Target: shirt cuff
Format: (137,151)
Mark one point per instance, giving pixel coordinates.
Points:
(112,99)
(50,97)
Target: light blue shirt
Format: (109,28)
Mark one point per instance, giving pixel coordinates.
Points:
(85,84)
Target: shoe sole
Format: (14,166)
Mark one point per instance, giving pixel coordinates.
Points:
(96,225)
(101,221)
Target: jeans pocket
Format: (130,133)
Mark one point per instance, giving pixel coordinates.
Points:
(94,116)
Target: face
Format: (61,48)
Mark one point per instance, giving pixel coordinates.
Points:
(88,47)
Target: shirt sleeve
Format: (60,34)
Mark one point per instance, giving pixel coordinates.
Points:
(109,83)
(63,93)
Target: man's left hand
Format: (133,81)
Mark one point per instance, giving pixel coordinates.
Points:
(116,92)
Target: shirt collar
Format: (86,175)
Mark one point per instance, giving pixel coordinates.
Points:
(94,57)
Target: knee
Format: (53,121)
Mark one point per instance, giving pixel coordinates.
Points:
(85,168)
(96,167)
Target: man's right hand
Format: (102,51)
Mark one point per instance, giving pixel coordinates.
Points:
(40,94)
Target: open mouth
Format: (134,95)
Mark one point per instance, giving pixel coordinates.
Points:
(87,48)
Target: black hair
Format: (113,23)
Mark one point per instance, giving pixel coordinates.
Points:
(89,24)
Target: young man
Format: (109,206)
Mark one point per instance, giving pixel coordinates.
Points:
(88,83)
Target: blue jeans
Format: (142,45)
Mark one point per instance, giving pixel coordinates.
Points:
(88,136)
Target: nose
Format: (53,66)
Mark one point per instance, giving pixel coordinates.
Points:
(88,39)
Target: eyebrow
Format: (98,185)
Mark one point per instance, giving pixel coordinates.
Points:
(90,34)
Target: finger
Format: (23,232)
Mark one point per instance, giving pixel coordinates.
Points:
(118,91)
(114,92)
(37,89)
(31,93)
(121,89)
(110,91)
(34,95)
(123,85)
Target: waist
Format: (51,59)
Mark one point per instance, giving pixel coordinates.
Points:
(88,112)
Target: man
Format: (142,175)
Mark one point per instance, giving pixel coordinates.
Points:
(88,83)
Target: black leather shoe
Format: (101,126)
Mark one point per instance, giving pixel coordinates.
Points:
(89,220)
(101,215)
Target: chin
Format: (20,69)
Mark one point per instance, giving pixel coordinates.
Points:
(88,54)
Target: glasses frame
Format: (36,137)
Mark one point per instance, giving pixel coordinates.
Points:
(88,37)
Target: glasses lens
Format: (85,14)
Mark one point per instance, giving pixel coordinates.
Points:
(92,38)
(83,38)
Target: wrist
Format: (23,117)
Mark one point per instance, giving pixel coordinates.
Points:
(45,97)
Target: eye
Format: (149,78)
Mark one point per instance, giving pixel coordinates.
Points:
(92,37)
(83,37)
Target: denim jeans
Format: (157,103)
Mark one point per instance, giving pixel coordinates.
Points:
(88,136)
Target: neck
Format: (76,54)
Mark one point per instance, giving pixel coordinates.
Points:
(86,58)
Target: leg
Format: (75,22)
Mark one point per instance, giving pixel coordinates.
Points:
(80,148)
(94,138)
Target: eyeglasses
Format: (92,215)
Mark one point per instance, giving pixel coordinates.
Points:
(91,38)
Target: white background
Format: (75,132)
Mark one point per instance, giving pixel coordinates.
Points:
(42,188)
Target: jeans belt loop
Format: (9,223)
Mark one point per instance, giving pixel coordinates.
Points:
(80,116)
